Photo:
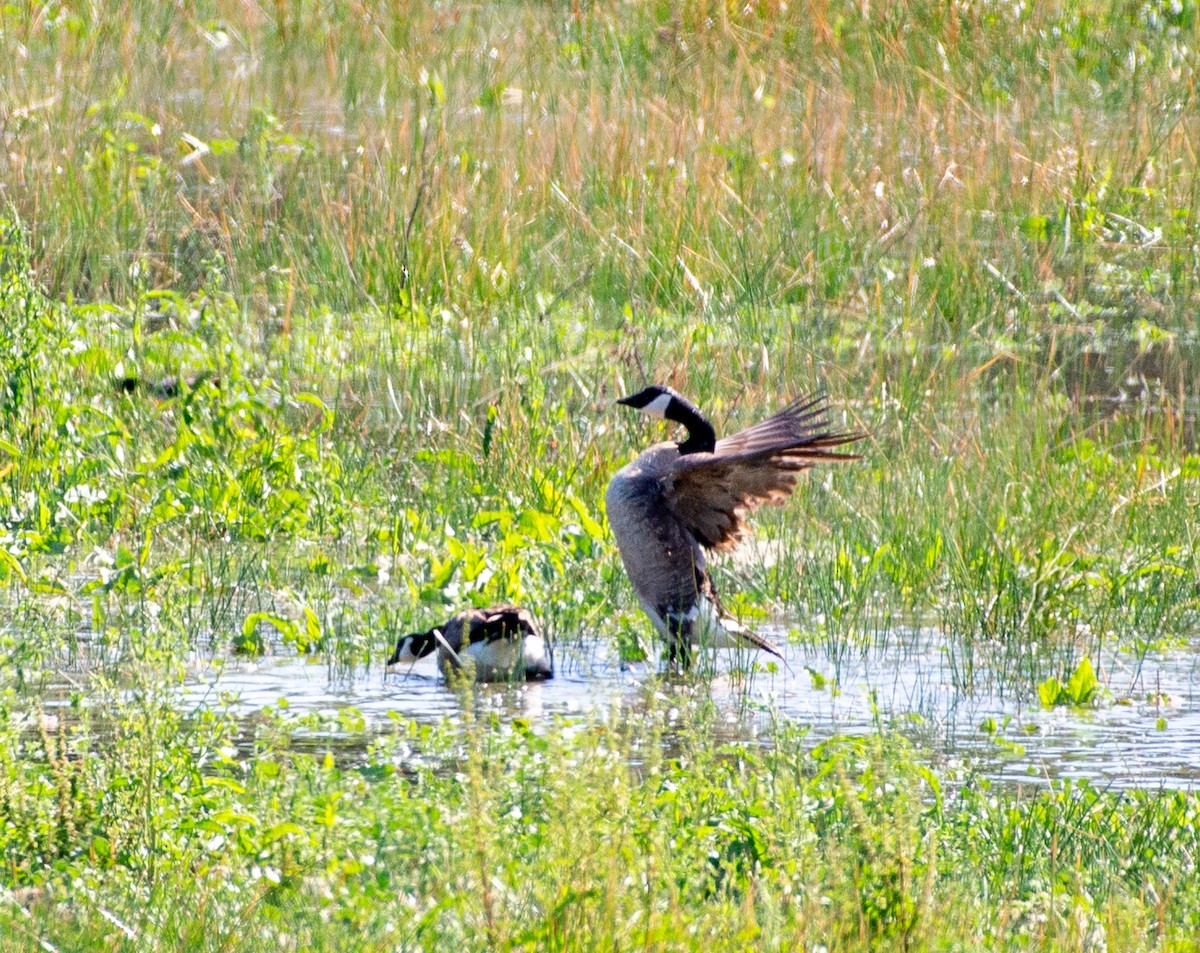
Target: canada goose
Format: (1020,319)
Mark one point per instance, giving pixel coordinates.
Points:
(676,500)
(502,641)
(165,388)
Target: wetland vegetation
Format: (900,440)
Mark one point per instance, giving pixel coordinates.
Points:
(400,259)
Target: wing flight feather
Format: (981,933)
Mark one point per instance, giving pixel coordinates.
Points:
(712,492)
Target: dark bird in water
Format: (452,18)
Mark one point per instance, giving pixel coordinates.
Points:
(501,643)
(164,388)
(677,500)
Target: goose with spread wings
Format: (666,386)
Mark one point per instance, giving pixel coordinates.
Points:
(676,500)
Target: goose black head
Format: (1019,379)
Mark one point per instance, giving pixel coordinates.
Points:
(660,401)
(654,401)
(411,647)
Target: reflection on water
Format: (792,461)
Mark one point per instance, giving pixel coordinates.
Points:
(420,693)
(1149,736)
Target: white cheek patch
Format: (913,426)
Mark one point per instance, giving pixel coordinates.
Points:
(406,654)
(658,406)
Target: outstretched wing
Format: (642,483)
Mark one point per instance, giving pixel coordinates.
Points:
(711,492)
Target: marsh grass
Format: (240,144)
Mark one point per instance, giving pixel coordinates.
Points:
(403,258)
(634,829)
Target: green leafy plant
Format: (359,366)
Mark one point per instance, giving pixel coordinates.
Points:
(1082,689)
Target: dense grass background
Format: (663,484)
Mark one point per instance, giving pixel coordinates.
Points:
(423,249)
(419,249)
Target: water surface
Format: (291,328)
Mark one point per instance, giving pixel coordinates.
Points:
(1147,735)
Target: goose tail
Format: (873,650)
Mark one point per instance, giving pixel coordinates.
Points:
(733,633)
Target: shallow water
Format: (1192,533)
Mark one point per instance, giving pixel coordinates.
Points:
(1148,736)
(1124,375)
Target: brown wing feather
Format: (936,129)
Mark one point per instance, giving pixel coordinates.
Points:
(501,622)
(801,419)
(711,492)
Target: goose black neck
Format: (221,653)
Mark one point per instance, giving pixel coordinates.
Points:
(701,438)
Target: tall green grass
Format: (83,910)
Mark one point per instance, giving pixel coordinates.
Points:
(401,155)
(422,255)
(637,831)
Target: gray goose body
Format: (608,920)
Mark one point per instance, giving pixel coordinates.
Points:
(674,501)
(502,642)
(664,561)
